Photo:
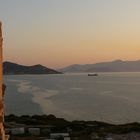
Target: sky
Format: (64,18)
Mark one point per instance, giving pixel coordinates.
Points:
(58,33)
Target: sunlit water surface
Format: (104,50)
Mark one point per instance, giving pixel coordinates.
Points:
(109,97)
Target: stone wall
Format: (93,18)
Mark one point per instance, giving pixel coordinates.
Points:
(2,132)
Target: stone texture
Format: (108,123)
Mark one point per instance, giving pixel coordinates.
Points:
(2,133)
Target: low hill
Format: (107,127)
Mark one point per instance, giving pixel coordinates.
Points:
(113,66)
(10,68)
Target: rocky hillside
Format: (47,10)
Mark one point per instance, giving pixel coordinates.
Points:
(10,68)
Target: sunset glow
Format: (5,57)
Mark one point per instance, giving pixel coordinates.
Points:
(58,33)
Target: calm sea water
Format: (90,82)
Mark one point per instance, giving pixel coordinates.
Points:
(109,97)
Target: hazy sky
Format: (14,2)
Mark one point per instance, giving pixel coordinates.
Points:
(58,33)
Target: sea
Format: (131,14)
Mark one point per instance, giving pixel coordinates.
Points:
(108,97)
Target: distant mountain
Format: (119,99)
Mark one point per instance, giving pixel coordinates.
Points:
(114,66)
(13,68)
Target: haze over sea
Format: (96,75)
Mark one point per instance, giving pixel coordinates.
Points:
(109,97)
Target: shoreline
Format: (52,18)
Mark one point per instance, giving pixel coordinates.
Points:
(48,125)
(52,120)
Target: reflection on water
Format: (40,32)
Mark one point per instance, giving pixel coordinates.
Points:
(111,97)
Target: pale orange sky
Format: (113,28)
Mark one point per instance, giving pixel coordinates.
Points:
(60,33)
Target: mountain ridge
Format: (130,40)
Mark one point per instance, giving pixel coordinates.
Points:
(10,68)
(111,66)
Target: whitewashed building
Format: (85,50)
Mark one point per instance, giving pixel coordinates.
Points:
(57,135)
(17,131)
(34,131)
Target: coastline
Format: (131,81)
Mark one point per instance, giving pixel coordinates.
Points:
(79,129)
